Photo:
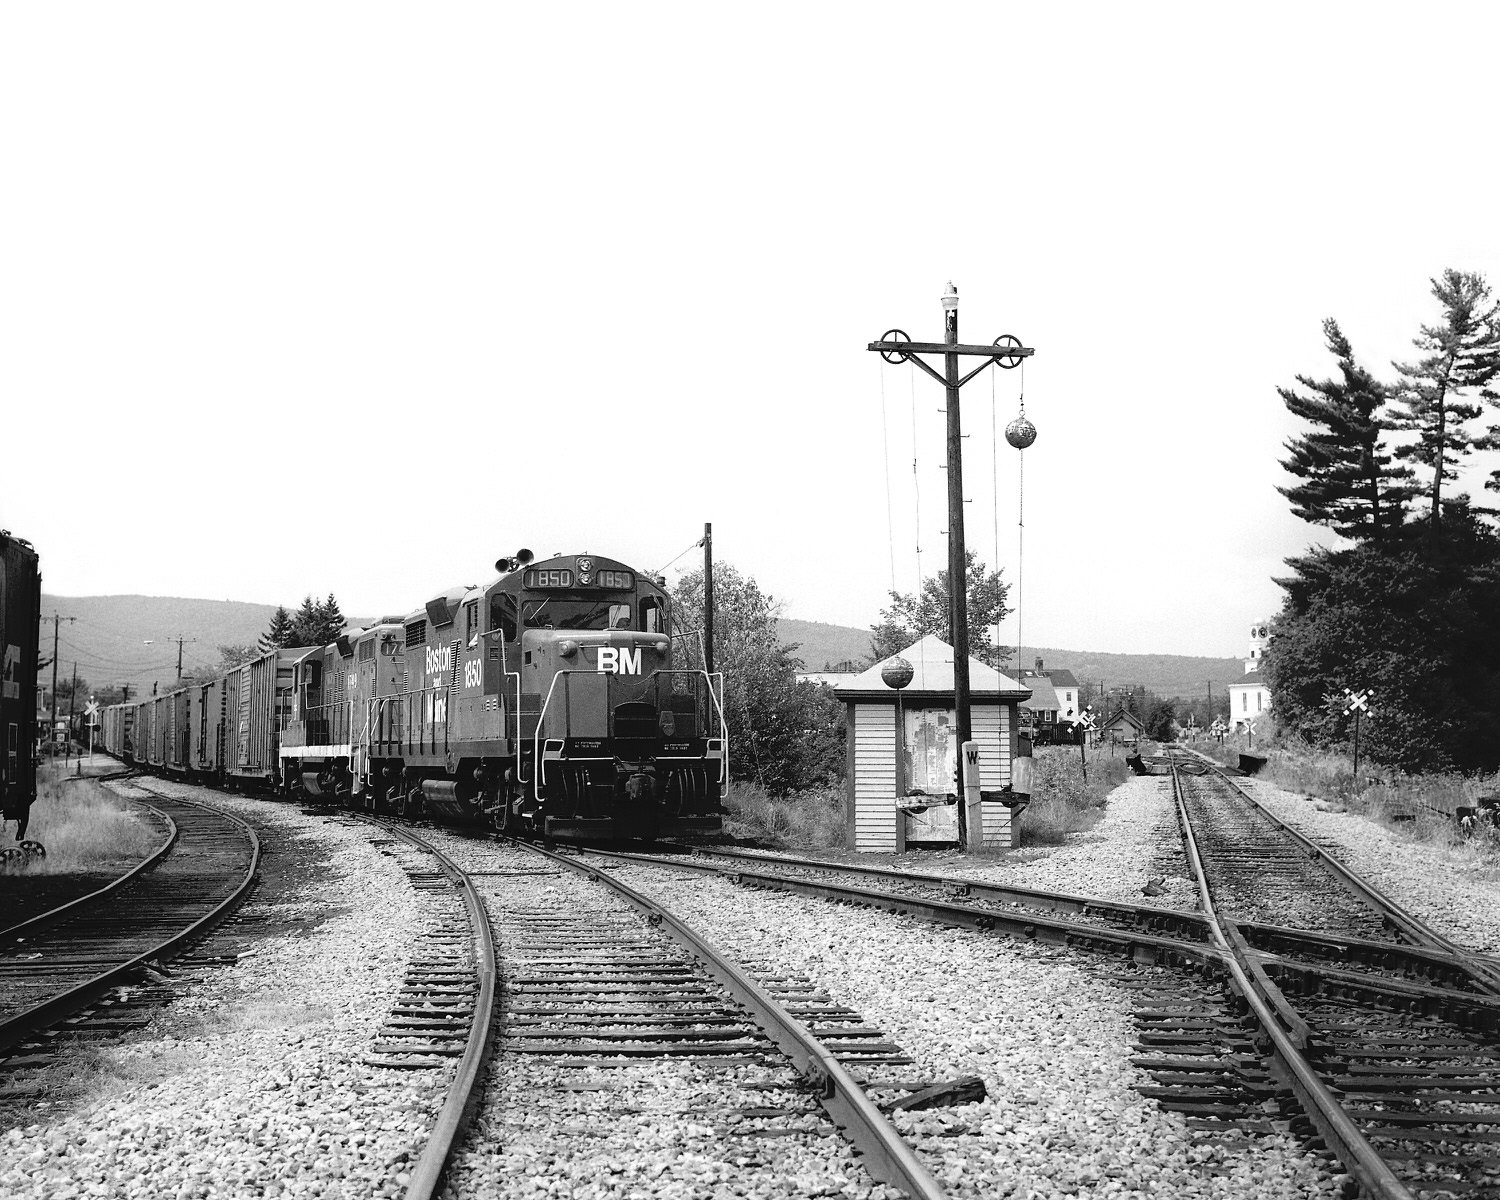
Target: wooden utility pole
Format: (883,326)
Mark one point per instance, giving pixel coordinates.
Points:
(72,709)
(896,346)
(708,597)
(179,639)
(56,622)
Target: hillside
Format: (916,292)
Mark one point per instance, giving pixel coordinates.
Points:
(1169,675)
(107,638)
(107,641)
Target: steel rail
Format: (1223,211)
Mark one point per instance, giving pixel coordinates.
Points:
(24,1024)
(1485,976)
(34,925)
(1143,948)
(1190,924)
(1339,1131)
(452,1118)
(886,1155)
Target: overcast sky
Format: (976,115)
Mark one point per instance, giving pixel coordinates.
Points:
(357,298)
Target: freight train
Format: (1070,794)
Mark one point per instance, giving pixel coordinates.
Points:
(20,609)
(544,703)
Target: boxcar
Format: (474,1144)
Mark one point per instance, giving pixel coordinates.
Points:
(20,608)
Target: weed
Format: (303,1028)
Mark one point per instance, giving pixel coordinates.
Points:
(85,827)
(803,820)
(1062,800)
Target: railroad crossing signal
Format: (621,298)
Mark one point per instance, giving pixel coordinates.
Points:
(91,710)
(1087,720)
(1358,701)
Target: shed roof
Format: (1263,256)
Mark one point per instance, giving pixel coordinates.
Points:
(1062,678)
(1043,695)
(931,661)
(1124,717)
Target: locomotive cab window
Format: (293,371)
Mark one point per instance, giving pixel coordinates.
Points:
(503,615)
(651,615)
(560,612)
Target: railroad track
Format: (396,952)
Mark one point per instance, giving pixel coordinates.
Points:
(612,982)
(1399,1084)
(444,1014)
(58,964)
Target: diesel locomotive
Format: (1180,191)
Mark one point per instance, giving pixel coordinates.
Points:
(20,607)
(544,702)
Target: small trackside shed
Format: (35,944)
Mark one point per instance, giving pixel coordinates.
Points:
(892,767)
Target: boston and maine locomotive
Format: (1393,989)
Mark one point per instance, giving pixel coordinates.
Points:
(544,702)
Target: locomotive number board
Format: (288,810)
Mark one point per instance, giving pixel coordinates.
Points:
(562,577)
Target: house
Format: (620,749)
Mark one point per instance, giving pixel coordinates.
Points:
(1053,703)
(1250,695)
(902,777)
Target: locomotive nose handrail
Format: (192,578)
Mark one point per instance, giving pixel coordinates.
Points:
(539,766)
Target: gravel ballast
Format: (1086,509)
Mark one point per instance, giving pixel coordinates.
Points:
(251,1083)
(1047,1030)
(595,1127)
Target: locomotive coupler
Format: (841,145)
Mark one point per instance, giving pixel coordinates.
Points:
(640,786)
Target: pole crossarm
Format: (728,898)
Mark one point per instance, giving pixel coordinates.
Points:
(941,348)
(909,350)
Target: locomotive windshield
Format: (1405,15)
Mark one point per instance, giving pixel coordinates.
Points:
(556,612)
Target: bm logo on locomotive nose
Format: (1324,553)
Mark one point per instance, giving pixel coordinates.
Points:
(620,659)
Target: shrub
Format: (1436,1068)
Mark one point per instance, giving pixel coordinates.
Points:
(1062,800)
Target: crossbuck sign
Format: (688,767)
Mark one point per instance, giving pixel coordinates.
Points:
(1358,701)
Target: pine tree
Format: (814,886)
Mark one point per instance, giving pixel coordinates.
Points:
(1460,355)
(331,621)
(1349,483)
(305,625)
(281,632)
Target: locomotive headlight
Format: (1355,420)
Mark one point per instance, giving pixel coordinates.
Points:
(567,647)
(661,646)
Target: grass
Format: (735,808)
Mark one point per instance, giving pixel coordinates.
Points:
(1062,800)
(84,826)
(812,820)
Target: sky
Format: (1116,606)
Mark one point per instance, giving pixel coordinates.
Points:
(311,298)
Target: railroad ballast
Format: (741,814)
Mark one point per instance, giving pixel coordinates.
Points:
(545,701)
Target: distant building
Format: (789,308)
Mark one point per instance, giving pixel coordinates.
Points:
(1053,703)
(1250,696)
(1124,726)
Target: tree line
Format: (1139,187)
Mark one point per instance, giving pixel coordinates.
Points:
(1405,603)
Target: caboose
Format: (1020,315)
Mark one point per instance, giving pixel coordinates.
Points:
(20,606)
(543,702)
